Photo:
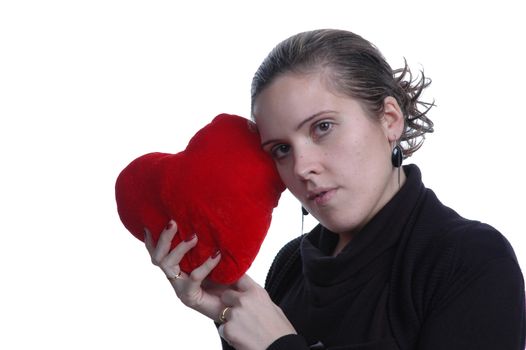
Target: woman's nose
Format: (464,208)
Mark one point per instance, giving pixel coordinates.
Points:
(306,164)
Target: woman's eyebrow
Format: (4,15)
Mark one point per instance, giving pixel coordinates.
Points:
(267,142)
(312,117)
(303,122)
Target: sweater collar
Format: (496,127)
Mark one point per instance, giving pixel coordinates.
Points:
(367,247)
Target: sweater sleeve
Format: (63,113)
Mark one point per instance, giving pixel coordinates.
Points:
(485,311)
(289,342)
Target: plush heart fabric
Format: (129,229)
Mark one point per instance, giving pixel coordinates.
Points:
(222,187)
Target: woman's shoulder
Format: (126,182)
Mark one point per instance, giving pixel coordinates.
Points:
(445,255)
(450,270)
(470,248)
(444,252)
(478,241)
(441,229)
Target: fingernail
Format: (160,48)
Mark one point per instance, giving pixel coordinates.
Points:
(190,238)
(216,254)
(169,226)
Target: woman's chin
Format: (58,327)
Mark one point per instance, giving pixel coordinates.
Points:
(339,226)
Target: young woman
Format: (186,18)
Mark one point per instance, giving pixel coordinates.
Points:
(389,266)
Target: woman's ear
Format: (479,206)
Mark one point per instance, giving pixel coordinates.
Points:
(392,119)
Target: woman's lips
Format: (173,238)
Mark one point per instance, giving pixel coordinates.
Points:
(323,197)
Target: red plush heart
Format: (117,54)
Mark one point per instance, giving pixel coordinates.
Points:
(222,187)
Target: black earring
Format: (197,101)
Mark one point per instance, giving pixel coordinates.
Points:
(304,213)
(396,156)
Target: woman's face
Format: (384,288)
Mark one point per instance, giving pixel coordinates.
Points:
(329,153)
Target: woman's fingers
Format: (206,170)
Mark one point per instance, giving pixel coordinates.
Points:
(164,243)
(177,254)
(241,287)
(251,319)
(199,274)
(170,263)
(192,289)
(245,283)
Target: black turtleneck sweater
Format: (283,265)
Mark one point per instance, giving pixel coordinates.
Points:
(417,276)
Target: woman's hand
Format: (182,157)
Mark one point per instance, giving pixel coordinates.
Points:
(196,293)
(253,321)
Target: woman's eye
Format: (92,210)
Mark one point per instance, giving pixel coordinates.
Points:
(324,126)
(280,151)
(321,128)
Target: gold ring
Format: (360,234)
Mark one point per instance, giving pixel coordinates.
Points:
(176,277)
(222,317)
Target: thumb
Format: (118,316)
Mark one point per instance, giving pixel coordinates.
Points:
(245,283)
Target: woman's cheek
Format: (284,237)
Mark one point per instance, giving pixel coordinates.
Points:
(286,175)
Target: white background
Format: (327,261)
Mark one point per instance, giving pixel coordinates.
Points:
(87,86)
